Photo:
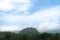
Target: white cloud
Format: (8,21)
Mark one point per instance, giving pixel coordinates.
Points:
(13,27)
(10,28)
(7,5)
(47,19)
(48,26)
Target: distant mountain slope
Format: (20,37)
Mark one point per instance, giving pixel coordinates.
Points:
(54,31)
(29,31)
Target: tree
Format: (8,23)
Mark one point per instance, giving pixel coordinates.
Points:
(7,37)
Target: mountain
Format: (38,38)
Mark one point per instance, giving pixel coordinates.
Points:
(54,31)
(29,31)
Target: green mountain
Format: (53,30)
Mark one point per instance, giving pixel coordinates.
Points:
(29,31)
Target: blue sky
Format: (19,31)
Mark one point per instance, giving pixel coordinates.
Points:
(19,14)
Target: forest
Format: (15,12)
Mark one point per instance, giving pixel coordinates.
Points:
(18,36)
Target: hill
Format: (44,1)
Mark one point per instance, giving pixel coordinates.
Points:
(29,31)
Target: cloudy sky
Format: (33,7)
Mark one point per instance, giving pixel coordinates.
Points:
(19,14)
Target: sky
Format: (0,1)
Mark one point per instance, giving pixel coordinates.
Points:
(19,14)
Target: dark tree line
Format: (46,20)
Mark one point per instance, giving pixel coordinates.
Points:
(42,36)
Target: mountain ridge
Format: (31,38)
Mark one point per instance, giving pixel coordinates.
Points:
(29,31)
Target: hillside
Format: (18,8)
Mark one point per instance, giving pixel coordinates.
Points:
(29,31)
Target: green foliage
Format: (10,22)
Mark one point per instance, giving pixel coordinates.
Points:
(42,36)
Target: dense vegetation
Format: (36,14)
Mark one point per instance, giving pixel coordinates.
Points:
(18,36)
